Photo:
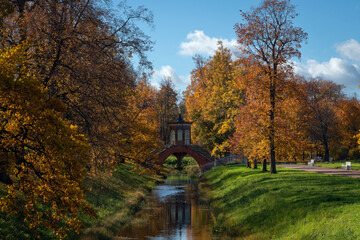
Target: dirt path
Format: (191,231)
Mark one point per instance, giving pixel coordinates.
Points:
(330,171)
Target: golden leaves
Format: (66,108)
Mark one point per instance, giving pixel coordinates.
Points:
(49,155)
(212,101)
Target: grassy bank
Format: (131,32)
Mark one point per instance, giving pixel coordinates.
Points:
(288,205)
(115,198)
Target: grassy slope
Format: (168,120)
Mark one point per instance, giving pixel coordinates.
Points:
(115,199)
(288,205)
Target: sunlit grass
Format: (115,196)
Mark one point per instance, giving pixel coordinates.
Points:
(288,205)
(355,164)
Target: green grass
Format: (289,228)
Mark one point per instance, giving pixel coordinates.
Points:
(289,205)
(355,164)
(115,198)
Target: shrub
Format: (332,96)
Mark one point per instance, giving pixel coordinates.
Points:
(340,153)
(354,153)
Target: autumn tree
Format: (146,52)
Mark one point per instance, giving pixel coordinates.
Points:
(252,122)
(212,101)
(167,108)
(349,116)
(83,52)
(269,37)
(43,158)
(320,108)
(144,142)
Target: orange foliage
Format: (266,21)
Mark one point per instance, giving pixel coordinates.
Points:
(251,138)
(349,115)
(269,39)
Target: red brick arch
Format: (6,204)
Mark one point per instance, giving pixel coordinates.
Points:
(200,159)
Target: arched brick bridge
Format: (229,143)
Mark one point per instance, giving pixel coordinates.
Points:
(201,156)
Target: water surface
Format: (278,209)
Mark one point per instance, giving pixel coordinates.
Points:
(175,213)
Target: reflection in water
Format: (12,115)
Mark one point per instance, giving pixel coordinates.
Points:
(176,214)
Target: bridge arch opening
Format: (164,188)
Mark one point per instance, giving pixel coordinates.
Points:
(187,161)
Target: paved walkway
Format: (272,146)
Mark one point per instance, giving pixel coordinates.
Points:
(330,171)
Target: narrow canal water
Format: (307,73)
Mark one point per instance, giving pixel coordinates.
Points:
(175,213)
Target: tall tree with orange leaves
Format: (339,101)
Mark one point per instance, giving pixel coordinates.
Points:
(269,37)
(252,123)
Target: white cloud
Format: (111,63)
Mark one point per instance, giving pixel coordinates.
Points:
(338,70)
(167,71)
(350,49)
(198,43)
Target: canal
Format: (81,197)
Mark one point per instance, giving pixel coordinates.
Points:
(174,212)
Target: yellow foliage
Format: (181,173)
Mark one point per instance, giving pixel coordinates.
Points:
(144,143)
(48,156)
(212,101)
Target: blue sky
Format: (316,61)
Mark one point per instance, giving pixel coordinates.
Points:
(185,28)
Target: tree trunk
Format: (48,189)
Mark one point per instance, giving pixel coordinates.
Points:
(255,164)
(326,148)
(264,167)
(248,163)
(272,127)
